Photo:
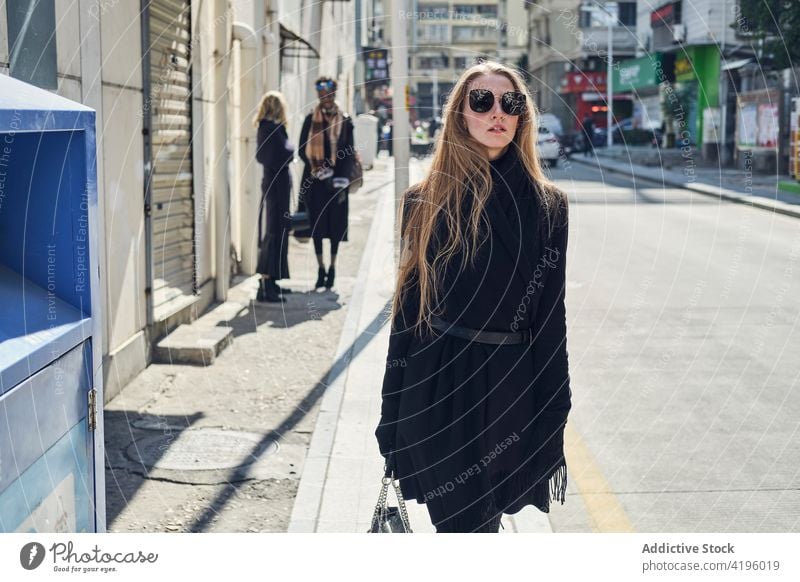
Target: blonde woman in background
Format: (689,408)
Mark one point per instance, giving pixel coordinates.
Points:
(275,153)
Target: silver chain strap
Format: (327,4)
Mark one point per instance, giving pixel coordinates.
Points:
(381,506)
(402,504)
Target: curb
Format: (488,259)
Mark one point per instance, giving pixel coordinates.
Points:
(308,502)
(705,189)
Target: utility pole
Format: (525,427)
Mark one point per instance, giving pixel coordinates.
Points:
(501,29)
(435,76)
(399,72)
(611,20)
(610,80)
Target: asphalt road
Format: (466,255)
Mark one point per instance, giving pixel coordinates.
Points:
(684,352)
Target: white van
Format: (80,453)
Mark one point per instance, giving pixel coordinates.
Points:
(552,123)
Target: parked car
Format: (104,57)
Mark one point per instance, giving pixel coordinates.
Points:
(617,129)
(548,147)
(552,123)
(625,133)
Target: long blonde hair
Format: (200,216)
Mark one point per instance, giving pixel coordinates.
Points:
(459,168)
(272,107)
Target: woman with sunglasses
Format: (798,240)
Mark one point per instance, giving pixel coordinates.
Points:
(327,147)
(476,390)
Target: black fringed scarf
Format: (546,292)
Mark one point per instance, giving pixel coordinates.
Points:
(546,474)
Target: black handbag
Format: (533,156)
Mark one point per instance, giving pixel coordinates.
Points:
(390,519)
(300,221)
(356,175)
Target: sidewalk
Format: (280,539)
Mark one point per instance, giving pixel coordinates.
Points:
(343,469)
(665,168)
(220,448)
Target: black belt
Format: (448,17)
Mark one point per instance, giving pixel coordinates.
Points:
(482,336)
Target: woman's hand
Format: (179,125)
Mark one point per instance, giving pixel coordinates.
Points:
(323,173)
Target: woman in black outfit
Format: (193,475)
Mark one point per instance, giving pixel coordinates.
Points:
(477,390)
(275,153)
(328,149)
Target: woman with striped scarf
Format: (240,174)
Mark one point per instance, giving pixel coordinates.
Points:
(328,150)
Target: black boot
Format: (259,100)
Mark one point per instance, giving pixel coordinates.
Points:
(320,278)
(282,290)
(331,276)
(271,294)
(262,289)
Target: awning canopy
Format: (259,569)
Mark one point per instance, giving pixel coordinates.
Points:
(293,45)
(735,64)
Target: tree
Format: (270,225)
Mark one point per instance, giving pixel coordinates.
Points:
(775,26)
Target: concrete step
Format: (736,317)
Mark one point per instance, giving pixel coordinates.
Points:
(195,343)
(199,342)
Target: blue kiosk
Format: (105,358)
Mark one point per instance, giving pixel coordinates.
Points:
(51,393)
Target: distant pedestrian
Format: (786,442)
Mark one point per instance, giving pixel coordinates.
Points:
(434,125)
(380,130)
(588,134)
(275,153)
(327,146)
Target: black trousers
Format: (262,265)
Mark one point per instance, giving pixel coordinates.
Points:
(318,245)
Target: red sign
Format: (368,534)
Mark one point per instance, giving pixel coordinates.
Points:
(663,16)
(577,82)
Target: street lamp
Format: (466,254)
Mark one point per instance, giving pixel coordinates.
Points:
(611,20)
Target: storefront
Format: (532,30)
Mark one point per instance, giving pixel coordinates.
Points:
(641,78)
(697,95)
(585,93)
(169,162)
(758,116)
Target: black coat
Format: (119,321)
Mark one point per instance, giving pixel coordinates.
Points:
(328,216)
(476,428)
(275,153)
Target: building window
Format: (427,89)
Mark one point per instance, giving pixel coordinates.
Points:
(586,18)
(433,33)
(436,62)
(463,62)
(473,33)
(593,16)
(483,10)
(32,42)
(627,14)
(434,12)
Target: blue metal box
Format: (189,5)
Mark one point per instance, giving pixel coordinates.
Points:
(51,440)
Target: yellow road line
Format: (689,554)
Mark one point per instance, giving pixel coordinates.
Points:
(606,513)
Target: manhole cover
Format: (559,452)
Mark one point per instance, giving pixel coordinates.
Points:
(200,450)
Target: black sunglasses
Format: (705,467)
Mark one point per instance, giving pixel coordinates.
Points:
(326,86)
(482,100)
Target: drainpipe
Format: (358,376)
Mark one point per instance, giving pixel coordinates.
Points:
(219,151)
(271,39)
(245,165)
(259,26)
(723,93)
(314,36)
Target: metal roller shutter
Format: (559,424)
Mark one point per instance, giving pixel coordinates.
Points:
(168,141)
